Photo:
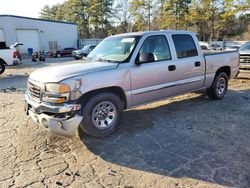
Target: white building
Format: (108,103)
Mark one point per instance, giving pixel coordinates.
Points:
(38,34)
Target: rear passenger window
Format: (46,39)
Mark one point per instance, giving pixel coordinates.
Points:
(184,46)
(158,46)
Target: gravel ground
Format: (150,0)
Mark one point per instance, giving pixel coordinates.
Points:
(186,141)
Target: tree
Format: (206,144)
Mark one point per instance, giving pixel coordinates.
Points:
(142,12)
(99,12)
(160,14)
(76,11)
(137,11)
(227,19)
(49,13)
(122,18)
(175,14)
(211,19)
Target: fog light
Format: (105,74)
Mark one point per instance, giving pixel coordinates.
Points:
(45,123)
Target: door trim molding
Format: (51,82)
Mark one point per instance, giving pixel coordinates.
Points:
(167,85)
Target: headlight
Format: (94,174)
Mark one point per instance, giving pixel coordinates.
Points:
(57,88)
(56,93)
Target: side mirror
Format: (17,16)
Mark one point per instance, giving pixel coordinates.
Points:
(145,58)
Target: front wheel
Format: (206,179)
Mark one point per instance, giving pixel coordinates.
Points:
(219,87)
(2,68)
(101,114)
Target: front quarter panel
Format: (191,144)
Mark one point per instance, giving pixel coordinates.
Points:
(118,77)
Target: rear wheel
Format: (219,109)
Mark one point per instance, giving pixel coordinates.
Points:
(101,114)
(219,87)
(2,68)
(58,55)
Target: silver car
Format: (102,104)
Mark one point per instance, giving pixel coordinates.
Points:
(78,54)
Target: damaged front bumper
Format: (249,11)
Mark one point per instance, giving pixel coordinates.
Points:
(61,120)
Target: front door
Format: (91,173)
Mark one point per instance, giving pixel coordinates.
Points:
(149,80)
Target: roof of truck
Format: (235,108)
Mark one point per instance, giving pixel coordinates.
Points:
(155,32)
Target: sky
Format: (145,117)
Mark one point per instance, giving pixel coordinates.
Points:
(29,8)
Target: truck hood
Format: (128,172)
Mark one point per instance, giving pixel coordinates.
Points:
(59,73)
(244,52)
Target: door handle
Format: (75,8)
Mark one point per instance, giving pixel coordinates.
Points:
(171,67)
(197,64)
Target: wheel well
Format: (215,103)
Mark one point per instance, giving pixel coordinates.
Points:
(225,69)
(2,61)
(116,90)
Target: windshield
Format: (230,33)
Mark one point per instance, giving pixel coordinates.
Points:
(114,49)
(245,46)
(86,47)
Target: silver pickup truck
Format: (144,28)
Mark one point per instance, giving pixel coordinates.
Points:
(245,58)
(124,71)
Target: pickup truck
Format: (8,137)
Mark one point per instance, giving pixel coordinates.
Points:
(122,72)
(8,56)
(244,51)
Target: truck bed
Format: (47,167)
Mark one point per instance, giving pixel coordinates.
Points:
(221,59)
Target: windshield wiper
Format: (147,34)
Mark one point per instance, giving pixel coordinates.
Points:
(107,60)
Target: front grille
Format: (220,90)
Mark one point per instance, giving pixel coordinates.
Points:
(245,61)
(35,91)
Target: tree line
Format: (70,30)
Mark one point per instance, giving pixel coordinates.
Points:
(210,19)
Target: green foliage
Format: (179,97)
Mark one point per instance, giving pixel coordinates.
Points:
(91,16)
(99,11)
(48,12)
(211,19)
(176,12)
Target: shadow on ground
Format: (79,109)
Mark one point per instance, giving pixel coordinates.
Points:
(14,81)
(197,138)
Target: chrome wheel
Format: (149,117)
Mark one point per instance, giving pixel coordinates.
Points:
(221,86)
(104,115)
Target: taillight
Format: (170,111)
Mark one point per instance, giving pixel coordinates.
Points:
(15,54)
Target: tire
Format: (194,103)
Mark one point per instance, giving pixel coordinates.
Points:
(219,87)
(58,55)
(2,68)
(98,110)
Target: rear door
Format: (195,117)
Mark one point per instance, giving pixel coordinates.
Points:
(190,64)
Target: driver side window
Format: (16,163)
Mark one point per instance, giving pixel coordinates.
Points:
(158,46)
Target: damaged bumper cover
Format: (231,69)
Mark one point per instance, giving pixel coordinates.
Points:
(48,116)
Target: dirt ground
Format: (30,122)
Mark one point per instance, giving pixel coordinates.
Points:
(186,141)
